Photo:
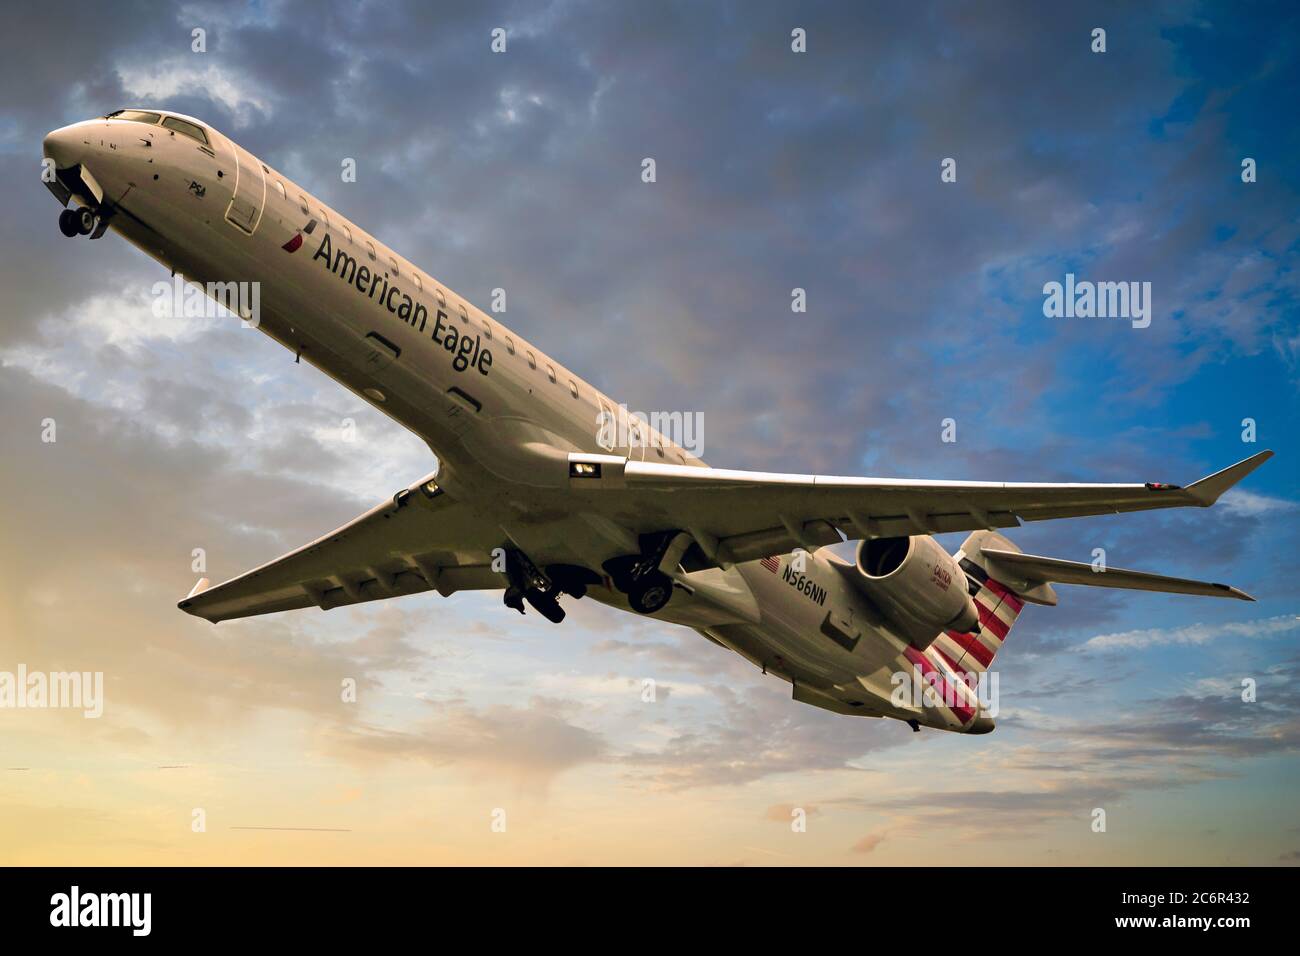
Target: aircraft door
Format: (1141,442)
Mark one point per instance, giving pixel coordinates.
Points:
(249,198)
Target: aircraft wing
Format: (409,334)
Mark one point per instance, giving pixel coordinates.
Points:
(743,515)
(418,540)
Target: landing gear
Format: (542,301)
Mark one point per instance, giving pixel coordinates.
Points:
(914,724)
(572,579)
(78,222)
(639,576)
(651,593)
(528,583)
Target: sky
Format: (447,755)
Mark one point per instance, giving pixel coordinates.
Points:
(478,737)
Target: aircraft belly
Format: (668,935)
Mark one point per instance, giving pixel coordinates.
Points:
(792,637)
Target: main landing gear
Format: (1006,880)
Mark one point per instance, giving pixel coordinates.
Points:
(77,222)
(528,583)
(638,576)
(542,589)
(648,588)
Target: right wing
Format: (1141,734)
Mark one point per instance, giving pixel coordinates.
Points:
(738,516)
(418,540)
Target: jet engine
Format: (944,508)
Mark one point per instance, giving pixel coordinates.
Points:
(918,587)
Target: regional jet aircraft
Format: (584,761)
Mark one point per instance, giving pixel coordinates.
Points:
(529,499)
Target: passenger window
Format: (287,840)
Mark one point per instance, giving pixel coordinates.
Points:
(370,249)
(279,187)
(442,299)
(324,218)
(464,316)
(419,286)
(510,345)
(573,388)
(487,329)
(532,360)
(302,203)
(550,372)
(392,264)
(348,232)
(187,128)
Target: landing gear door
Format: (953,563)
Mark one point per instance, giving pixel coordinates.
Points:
(249,198)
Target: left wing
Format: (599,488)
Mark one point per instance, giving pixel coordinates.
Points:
(743,515)
(418,540)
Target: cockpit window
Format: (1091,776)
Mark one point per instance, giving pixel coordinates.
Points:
(186,127)
(137,116)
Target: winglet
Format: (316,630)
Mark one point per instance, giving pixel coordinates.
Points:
(199,588)
(1207,490)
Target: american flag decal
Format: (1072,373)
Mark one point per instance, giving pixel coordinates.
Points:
(772,563)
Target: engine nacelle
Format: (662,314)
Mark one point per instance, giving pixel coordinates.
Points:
(918,586)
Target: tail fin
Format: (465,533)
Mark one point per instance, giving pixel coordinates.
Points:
(998,606)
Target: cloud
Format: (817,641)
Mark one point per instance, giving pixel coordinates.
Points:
(776,171)
(1193,634)
(528,744)
(868,843)
(760,733)
(784,812)
(1239,501)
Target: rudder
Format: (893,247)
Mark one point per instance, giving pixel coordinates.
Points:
(997,604)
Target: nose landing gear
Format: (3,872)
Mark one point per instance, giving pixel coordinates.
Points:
(78,222)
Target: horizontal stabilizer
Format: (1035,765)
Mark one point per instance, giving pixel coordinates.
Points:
(1025,571)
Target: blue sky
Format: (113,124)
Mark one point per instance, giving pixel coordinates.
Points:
(775,170)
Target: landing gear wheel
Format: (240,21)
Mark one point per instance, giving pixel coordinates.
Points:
(545,605)
(68,224)
(85,221)
(651,593)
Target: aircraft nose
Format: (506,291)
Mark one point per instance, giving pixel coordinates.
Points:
(65,145)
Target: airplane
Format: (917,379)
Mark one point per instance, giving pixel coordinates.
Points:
(531,499)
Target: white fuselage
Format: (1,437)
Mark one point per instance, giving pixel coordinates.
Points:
(485,415)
